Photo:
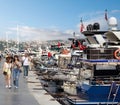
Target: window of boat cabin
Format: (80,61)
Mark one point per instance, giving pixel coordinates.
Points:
(106,70)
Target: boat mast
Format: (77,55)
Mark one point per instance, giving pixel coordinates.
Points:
(18,37)
(7,40)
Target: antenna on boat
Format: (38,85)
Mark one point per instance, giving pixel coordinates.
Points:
(106,17)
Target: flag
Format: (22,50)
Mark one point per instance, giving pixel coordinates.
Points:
(82,26)
(49,54)
(82,47)
(72,46)
(59,44)
(106,18)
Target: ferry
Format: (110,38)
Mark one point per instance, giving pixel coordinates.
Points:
(99,71)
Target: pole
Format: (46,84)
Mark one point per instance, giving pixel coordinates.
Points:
(18,37)
(7,40)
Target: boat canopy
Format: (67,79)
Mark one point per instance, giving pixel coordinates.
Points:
(113,35)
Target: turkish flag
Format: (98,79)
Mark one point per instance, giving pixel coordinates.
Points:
(59,44)
(81,27)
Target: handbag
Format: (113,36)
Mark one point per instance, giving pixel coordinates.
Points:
(20,71)
(4,73)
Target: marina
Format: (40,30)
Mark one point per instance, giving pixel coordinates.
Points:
(93,72)
(77,71)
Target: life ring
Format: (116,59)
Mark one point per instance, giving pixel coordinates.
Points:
(117,54)
(65,51)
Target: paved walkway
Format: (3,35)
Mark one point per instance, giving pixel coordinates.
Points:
(20,96)
(38,92)
(30,92)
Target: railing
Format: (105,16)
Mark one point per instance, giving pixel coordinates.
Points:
(100,53)
(104,81)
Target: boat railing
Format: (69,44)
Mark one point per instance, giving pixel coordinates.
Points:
(100,53)
(104,81)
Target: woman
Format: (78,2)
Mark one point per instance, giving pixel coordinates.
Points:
(7,71)
(16,70)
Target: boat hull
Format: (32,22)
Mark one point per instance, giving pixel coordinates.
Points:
(100,93)
(76,102)
(73,100)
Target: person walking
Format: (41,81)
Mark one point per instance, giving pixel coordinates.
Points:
(26,63)
(16,71)
(7,72)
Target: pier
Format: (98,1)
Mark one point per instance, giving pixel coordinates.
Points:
(30,92)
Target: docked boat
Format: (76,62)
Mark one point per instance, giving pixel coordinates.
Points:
(99,74)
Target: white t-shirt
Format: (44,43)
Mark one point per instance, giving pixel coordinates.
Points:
(26,61)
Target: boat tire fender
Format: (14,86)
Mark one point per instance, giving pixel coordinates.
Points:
(117,54)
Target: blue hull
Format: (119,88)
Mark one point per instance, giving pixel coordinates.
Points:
(98,93)
(95,95)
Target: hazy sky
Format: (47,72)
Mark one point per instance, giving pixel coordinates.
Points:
(52,19)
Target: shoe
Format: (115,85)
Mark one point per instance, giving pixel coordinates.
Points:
(16,87)
(6,86)
(9,86)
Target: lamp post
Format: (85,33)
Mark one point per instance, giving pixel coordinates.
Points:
(74,34)
(18,37)
(7,40)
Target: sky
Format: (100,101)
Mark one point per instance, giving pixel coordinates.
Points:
(27,20)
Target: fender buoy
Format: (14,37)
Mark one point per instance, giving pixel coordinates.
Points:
(65,51)
(117,54)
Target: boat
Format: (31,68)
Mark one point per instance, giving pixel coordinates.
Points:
(99,72)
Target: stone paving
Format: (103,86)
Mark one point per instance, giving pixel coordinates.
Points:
(30,92)
(38,92)
(13,96)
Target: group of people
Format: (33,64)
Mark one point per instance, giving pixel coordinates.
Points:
(13,66)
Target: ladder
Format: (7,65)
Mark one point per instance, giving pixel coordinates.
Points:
(116,91)
(115,94)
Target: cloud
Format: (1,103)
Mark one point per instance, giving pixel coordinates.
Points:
(27,33)
(115,11)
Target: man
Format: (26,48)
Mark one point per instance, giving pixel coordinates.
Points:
(26,63)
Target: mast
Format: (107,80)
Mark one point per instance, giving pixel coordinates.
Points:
(18,37)
(6,40)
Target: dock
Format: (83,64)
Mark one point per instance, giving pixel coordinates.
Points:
(30,92)
(36,89)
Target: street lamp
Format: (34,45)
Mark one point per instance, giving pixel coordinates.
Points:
(7,40)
